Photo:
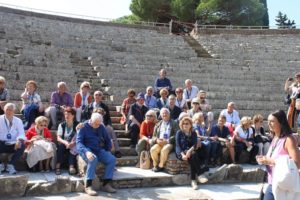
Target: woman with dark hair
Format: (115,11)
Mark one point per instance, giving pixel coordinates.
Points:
(67,141)
(283,144)
(187,148)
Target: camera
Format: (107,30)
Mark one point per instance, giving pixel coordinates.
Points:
(291,79)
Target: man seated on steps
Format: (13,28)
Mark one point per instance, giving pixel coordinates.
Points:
(136,116)
(12,137)
(98,95)
(60,99)
(232,117)
(163,140)
(189,92)
(150,100)
(94,145)
(162,82)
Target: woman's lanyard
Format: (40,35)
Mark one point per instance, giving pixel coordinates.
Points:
(179,103)
(273,147)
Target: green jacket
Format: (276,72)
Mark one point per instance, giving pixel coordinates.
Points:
(174,129)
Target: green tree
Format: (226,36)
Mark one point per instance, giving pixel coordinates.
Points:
(234,12)
(184,10)
(265,18)
(283,21)
(129,19)
(152,10)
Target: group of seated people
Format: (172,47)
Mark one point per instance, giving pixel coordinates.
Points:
(160,121)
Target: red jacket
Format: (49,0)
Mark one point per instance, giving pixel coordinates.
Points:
(32,132)
(78,99)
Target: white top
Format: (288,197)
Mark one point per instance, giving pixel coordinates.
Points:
(165,130)
(232,118)
(244,133)
(181,104)
(13,133)
(68,131)
(190,94)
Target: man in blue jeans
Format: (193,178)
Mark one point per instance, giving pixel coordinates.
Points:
(94,145)
(12,137)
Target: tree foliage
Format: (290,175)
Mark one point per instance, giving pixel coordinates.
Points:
(129,19)
(234,12)
(283,21)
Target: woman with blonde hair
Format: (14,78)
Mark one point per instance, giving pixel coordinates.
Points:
(40,148)
(32,104)
(187,148)
(82,99)
(244,140)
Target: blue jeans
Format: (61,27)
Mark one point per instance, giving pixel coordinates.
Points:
(17,154)
(269,194)
(104,157)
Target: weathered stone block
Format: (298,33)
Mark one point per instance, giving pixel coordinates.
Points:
(13,186)
(234,172)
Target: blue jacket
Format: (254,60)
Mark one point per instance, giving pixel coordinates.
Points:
(90,139)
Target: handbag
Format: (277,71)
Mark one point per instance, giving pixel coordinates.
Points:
(145,162)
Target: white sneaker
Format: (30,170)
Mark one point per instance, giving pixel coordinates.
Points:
(194,185)
(11,169)
(202,179)
(2,168)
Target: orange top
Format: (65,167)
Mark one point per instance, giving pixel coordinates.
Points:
(78,99)
(147,129)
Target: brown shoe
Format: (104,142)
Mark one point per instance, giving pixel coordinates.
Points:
(108,188)
(90,191)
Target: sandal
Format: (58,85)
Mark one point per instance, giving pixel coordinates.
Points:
(57,171)
(72,170)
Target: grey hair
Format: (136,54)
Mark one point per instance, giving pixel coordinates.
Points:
(2,79)
(61,83)
(164,109)
(10,106)
(96,116)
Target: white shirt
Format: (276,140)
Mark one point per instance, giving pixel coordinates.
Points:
(165,130)
(16,131)
(190,94)
(244,133)
(232,118)
(68,132)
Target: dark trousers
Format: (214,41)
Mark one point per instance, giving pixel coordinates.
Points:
(269,194)
(196,162)
(61,151)
(134,131)
(240,146)
(216,150)
(1,111)
(17,154)
(33,114)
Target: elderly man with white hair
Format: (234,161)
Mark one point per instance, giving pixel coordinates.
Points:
(12,137)
(163,140)
(189,92)
(150,100)
(60,99)
(232,116)
(94,145)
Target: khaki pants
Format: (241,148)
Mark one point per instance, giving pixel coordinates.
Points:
(159,154)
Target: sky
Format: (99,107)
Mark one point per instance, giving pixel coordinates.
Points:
(112,9)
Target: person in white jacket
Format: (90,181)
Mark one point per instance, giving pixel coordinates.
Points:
(283,144)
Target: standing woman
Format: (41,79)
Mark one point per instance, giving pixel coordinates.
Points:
(187,148)
(294,93)
(32,104)
(283,144)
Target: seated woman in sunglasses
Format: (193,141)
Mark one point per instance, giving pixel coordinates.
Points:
(40,148)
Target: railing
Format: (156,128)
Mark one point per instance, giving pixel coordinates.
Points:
(232,27)
(86,17)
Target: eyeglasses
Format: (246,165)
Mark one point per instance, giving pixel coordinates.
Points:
(98,94)
(185,123)
(149,116)
(178,91)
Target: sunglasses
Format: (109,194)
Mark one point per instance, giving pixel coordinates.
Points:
(43,125)
(185,123)
(178,92)
(149,116)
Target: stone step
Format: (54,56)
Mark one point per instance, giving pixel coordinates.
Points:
(130,177)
